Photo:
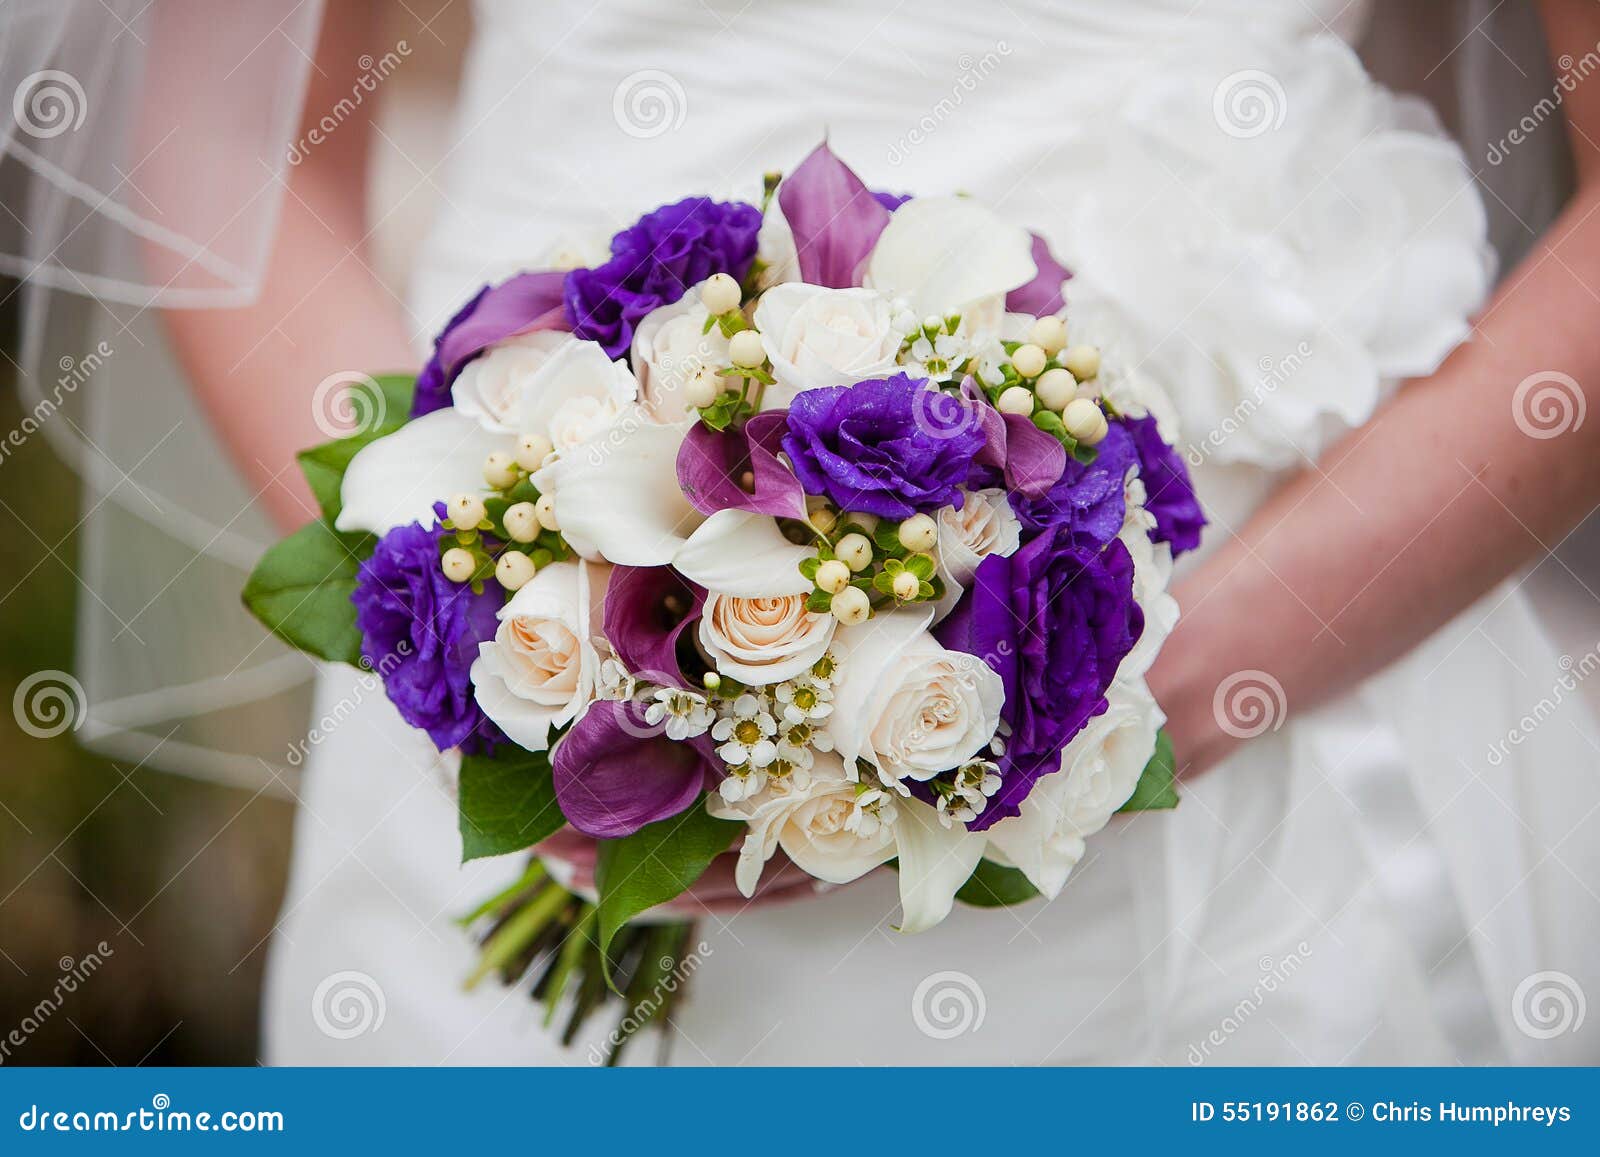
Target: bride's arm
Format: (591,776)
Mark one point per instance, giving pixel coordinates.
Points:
(321,310)
(1415,516)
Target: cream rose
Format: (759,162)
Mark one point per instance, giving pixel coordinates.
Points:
(763,640)
(1152,568)
(906,704)
(828,827)
(539,670)
(491,387)
(1099,770)
(576,394)
(984,525)
(817,336)
(671,349)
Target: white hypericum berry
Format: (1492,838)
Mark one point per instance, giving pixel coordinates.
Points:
(514,570)
(919,534)
(745,349)
(906,586)
(833,576)
(720,293)
(545,511)
(851,606)
(522,523)
(1049,334)
(1029,360)
(855,551)
(1016,400)
(458,564)
(532,450)
(1084,421)
(1056,387)
(702,389)
(500,471)
(466,511)
(1083,361)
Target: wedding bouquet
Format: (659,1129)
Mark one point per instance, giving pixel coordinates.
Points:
(798,532)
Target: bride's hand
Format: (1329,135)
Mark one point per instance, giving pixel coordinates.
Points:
(714,892)
(1415,516)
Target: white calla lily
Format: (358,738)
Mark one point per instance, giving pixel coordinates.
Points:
(943,254)
(735,552)
(934,862)
(617,496)
(398,478)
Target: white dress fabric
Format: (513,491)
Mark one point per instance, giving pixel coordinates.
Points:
(1385,880)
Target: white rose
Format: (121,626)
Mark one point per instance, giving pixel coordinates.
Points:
(906,704)
(492,386)
(984,525)
(1099,770)
(576,394)
(1152,568)
(763,640)
(671,348)
(540,668)
(775,248)
(817,336)
(825,825)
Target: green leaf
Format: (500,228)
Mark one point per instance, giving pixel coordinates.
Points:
(1157,786)
(920,565)
(324,465)
(994,886)
(819,602)
(301,588)
(887,538)
(810,566)
(508,803)
(655,864)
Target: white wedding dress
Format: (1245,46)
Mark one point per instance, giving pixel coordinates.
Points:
(1366,883)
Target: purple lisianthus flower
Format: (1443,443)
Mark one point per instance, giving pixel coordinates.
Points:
(526,302)
(883,446)
(421,631)
(1169,492)
(615,772)
(655,261)
(1054,620)
(1088,500)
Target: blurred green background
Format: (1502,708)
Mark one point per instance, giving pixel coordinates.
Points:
(180,879)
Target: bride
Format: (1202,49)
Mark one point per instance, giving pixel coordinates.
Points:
(1376,859)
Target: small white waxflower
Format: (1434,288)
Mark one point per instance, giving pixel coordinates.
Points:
(746,732)
(741,783)
(873,810)
(684,713)
(802,700)
(613,680)
(824,672)
(953,809)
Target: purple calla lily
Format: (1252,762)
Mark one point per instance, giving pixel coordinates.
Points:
(834,217)
(647,609)
(526,302)
(1030,459)
(614,772)
(1042,295)
(712,465)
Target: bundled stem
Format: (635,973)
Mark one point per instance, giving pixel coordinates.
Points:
(538,929)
